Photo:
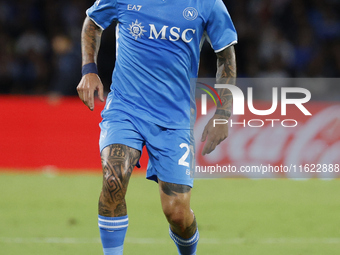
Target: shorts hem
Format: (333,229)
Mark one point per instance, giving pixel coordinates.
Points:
(170,180)
(131,145)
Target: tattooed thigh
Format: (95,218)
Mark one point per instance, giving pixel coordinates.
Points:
(172,189)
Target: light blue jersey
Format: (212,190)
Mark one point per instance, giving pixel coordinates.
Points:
(158,50)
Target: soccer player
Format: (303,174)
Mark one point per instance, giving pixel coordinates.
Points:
(151,103)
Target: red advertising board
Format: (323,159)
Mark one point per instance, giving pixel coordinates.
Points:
(37,132)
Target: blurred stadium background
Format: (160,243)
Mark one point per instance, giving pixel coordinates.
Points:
(49,160)
(40,42)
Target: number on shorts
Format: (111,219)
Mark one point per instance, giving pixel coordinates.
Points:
(182,160)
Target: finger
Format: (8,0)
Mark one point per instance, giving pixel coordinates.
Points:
(80,92)
(86,98)
(101,92)
(206,147)
(83,97)
(90,99)
(204,134)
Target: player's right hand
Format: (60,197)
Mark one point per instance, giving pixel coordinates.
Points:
(88,84)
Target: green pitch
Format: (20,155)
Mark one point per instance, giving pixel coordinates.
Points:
(47,214)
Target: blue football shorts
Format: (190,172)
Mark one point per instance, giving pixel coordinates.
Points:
(171,151)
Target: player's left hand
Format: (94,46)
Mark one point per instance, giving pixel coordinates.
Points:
(213,135)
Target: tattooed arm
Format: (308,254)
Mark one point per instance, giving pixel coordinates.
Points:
(226,74)
(90,42)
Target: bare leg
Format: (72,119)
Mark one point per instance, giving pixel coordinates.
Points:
(175,200)
(118,162)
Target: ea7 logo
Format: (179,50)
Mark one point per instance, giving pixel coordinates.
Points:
(133,7)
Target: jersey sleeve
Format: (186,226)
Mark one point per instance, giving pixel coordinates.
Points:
(103,12)
(220,28)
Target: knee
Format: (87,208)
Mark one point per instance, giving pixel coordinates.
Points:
(112,198)
(113,188)
(176,215)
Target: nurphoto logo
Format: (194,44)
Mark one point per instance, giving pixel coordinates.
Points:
(239,104)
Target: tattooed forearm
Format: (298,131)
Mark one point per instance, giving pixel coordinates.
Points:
(118,162)
(226,74)
(90,41)
(171,189)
